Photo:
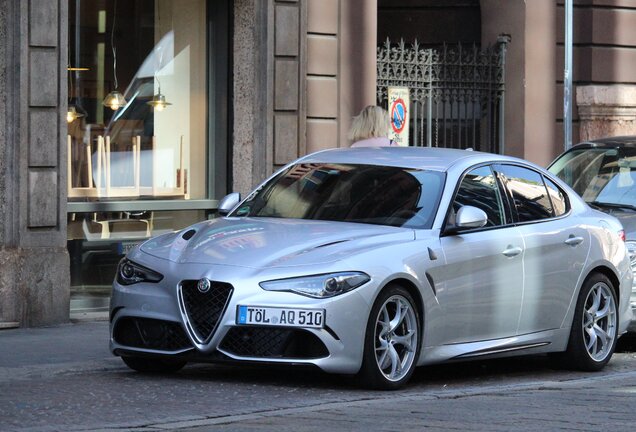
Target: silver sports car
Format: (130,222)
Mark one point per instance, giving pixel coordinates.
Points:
(372,261)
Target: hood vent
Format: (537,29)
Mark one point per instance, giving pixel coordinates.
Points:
(188,234)
(332,243)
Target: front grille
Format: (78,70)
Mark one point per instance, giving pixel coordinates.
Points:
(204,310)
(273,342)
(150,334)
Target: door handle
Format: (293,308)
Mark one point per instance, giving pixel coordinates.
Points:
(573,241)
(512,251)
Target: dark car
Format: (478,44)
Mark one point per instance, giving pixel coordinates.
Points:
(603,172)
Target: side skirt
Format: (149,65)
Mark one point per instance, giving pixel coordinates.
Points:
(533,343)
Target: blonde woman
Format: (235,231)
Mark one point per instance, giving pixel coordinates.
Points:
(370,128)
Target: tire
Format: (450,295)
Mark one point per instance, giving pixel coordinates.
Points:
(153,365)
(390,354)
(594,328)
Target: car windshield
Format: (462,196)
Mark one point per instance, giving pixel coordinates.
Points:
(603,177)
(370,194)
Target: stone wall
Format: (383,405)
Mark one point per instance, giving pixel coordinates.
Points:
(604,60)
(34,265)
(4,40)
(245,88)
(301,70)
(606,110)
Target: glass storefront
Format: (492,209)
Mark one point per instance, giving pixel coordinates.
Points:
(145,140)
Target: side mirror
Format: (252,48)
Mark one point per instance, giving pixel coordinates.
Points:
(228,203)
(470,217)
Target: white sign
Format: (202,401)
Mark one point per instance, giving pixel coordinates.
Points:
(399,103)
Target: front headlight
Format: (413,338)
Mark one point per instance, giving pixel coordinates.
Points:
(129,273)
(320,286)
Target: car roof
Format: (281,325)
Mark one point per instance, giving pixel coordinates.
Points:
(436,159)
(628,140)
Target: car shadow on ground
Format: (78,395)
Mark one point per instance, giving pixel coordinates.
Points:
(476,372)
(627,343)
(469,373)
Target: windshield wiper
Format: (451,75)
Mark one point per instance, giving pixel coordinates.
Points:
(602,205)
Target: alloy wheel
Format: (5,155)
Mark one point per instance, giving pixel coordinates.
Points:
(395,337)
(599,321)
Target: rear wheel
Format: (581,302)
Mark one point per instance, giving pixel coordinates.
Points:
(392,340)
(153,365)
(594,328)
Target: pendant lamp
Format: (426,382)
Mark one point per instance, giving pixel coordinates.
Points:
(114,100)
(158,101)
(72,114)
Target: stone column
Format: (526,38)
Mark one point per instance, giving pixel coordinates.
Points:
(269,67)
(34,264)
(606,110)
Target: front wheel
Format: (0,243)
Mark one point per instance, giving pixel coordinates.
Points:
(392,340)
(153,365)
(594,328)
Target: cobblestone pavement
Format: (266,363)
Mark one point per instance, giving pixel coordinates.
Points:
(64,378)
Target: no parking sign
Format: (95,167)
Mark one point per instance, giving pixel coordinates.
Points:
(399,114)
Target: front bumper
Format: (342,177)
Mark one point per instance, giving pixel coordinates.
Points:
(147,320)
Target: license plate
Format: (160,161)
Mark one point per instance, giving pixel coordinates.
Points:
(285,317)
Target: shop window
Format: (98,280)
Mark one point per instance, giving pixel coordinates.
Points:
(137,100)
(143,132)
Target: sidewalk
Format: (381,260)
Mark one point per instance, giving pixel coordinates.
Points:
(67,347)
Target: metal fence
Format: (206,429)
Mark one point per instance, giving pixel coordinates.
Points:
(456,93)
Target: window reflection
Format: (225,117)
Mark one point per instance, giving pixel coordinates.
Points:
(557,196)
(153,52)
(528,192)
(351,193)
(479,189)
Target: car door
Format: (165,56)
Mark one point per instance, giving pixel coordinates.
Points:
(481,279)
(555,246)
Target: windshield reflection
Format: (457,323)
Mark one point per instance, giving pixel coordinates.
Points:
(349,193)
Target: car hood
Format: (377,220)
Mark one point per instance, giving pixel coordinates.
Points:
(270,242)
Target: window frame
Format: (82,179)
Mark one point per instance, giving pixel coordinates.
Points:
(510,198)
(566,197)
(510,212)
(503,197)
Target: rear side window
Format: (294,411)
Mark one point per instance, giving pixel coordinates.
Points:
(557,196)
(530,197)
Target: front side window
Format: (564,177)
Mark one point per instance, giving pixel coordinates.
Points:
(528,192)
(479,189)
(349,193)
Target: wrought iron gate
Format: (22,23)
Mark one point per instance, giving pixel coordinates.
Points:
(457,93)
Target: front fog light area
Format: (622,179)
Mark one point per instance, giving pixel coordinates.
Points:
(129,273)
(319,286)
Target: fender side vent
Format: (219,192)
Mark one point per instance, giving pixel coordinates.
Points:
(430,280)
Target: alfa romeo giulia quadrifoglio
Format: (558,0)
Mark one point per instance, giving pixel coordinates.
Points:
(372,261)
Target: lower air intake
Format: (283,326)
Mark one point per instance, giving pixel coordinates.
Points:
(273,342)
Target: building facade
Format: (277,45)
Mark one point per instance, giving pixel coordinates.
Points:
(124,119)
